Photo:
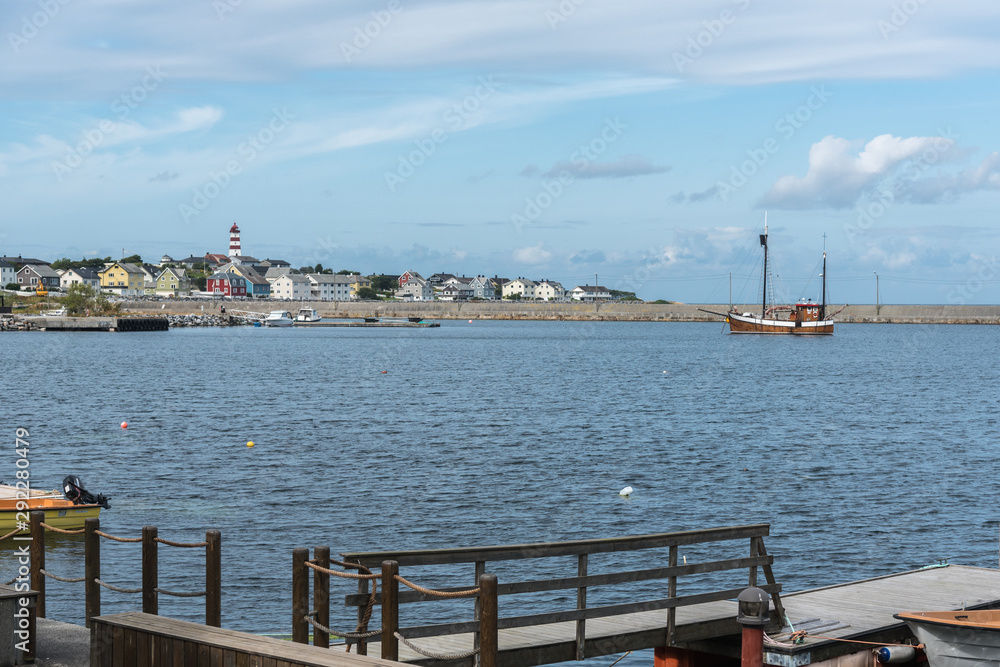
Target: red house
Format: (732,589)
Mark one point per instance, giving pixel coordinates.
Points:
(226,284)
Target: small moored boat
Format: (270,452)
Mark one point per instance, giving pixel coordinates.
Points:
(66,510)
(278,318)
(308,315)
(957,638)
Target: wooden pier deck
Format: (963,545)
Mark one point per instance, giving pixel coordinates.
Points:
(861,610)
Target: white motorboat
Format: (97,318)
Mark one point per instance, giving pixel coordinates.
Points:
(957,638)
(278,318)
(308,315)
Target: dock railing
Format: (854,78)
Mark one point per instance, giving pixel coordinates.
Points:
(486,620)
(149,589)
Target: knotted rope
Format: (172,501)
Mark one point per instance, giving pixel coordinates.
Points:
(362,628)
(432,654)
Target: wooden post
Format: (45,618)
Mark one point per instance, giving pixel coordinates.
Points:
(488,640)
(477,609)
(300,596)
(321,596)
(362,590)
(779,607)
(753,568)
(390,610)
(581,603)
(38,559)
(672,593)
(752,654)
(150,571)
(92,568)
(213,579)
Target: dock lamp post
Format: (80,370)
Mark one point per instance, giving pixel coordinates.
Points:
(752,614)
(876,293)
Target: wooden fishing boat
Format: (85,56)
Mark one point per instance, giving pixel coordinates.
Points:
(805,318)
(67,510)
(957,638)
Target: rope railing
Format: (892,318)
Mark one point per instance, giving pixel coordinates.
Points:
(68,580)
(10,535)
(472,592)
(432,654)
(179,594)
(185,545)
(338,573)
(12,580)
(118,539)
(77,531)
(349,635)
(116,588)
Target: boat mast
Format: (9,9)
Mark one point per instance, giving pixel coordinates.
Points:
(763,242)
(822,311)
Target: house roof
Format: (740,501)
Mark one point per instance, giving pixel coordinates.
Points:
(590,288)
(23,260)
(41,270)
(440,277)
(275,262)
(190,260)
(294,277)
(216,258)
(247,272)
(247,259)
(128,267)
(5,264)
(275,272)
(84,272)
(228,276)
(180,274)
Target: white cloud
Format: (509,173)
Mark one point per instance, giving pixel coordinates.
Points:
(839,174)
(532,255)
(623,167)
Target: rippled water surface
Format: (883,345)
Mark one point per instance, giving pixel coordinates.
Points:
(868,452)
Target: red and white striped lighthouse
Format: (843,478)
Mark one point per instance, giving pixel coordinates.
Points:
(234,241)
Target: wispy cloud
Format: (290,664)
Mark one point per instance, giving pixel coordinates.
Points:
(533,255)
(164,176)
(624,167)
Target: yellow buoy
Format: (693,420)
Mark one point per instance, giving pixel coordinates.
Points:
(250,443)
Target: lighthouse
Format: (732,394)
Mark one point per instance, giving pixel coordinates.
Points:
(234,241)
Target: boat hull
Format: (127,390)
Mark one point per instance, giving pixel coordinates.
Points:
(69,517)
(757,325)
(950,641)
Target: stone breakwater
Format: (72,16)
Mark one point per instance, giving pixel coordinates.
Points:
(609,312)
(200,320)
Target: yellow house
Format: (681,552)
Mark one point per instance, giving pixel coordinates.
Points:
(123,279)
(172,282)
(357,283)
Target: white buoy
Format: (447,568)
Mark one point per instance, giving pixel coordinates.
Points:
(627,491)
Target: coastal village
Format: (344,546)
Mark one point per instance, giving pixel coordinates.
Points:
(237,276)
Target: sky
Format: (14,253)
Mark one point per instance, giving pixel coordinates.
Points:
(639,144)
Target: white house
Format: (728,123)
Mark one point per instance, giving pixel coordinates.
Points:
(7,273)
(522,286)
(327,287)
(80,276)
(549,290)
(413,287)
(590,293)
(291,286)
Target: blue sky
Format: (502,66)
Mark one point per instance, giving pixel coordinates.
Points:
(639,141)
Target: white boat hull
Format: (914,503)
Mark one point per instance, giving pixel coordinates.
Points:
(951,646)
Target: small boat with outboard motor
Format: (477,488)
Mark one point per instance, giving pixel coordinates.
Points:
(66,510)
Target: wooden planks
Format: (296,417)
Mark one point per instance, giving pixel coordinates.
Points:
(864,607)
(135,638)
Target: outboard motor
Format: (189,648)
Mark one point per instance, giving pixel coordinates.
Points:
(74,491)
